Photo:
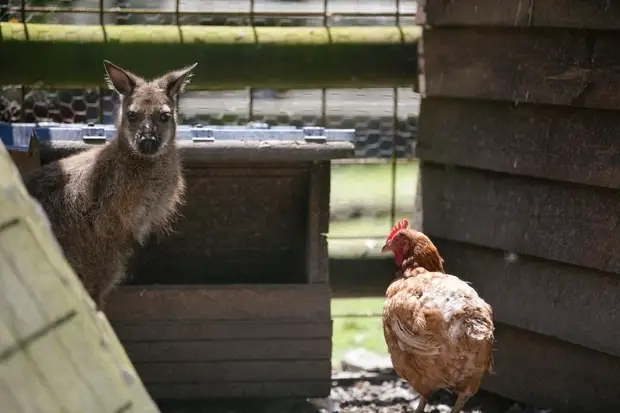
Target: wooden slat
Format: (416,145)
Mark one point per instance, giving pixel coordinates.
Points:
(551,373)
(229,350)
(582,14)
(318,224)
(219,302)
(564,301)
(567,144)
(231,371)
(220,330)
(564,222)
(562,67)
(361,276)
(271,389)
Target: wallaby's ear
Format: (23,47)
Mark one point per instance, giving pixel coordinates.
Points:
(174,82)
(120,79)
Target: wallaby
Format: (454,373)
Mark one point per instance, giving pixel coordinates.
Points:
(104,201)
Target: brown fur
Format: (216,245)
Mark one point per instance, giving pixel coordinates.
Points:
(103,201)
(438,330)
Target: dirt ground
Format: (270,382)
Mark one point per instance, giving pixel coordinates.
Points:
(382,395)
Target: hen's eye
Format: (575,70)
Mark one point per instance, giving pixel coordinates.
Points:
(164,116)
(132,116)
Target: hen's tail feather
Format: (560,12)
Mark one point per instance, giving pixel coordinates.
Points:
(422,346)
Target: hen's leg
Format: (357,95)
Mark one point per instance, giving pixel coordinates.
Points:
(421,405)
(459,403)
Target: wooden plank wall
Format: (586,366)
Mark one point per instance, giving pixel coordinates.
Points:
(520,143)
(214,341)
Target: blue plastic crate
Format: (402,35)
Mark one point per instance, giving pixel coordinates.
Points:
(17,135)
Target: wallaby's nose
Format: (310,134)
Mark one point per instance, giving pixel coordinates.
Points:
(148,144)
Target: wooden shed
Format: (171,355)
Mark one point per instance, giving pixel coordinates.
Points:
(235,302)
(520,147)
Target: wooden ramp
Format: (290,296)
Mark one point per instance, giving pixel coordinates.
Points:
(56,353)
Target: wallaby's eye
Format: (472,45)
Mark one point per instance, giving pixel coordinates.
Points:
(164,116)
(132,116)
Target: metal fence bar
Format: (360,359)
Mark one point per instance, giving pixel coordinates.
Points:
(116,10)
(394,131)
(251,89)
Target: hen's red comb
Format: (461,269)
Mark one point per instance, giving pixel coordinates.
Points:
(403,223)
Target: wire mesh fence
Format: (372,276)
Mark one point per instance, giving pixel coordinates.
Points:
(366,198)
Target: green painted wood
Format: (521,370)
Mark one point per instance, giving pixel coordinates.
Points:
(228,57)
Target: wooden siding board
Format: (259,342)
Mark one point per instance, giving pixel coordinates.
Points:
(272,389)
(231,371)
(561,67)
(581,14)
(164,331)
(567,302)
(560,143)
(551,373)
(218,302)
(230,350)
(318,223)
(569,223)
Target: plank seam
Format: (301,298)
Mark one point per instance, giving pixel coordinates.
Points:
(9,224)
(24,343)
(125,407)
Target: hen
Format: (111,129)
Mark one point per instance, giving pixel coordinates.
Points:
(439,332)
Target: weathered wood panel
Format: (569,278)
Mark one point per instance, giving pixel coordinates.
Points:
(182,330)
(233,371)
(230,350)
(275,389)
(242,224)
(569,223)
(318,223)
(561,67)
(560,143)
(54,350)
(570,303)
(520,185)
(218,302)
(581,14)
(551,373)
(361,276)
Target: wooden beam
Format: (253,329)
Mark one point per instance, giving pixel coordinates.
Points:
(561,67)
(228,57)
(560,143)
(318,223)
(165,331)
(219,302)
(577,14)
(212,372)
(546,372)
(557,295)
(361,276)
(573,224)
(238,389)
(230,350)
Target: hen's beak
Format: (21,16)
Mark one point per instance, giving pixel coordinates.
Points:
(387,247)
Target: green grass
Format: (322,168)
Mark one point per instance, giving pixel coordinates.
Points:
(366,186)
(361,332)
(362,227)
(369,186)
